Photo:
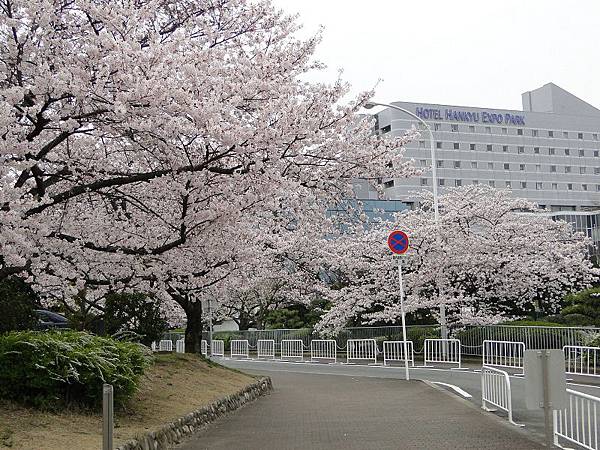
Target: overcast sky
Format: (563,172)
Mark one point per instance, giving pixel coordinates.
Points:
(462,52)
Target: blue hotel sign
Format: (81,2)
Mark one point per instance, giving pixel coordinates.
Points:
(470,116)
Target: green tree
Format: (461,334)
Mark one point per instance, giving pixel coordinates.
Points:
(18,303)
(134,312)
(583,308)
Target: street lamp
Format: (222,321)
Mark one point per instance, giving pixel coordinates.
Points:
(370,105)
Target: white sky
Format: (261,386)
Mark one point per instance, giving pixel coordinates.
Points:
(463,52)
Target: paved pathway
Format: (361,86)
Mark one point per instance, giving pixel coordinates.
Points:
(310,411)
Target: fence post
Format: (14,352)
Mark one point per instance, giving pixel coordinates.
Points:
(107,417)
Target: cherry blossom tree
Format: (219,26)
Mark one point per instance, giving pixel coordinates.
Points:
(138,137)
(491,257)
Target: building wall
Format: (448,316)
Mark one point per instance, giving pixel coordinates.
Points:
(551,159)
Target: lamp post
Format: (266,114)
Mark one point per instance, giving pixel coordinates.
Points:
(370,105)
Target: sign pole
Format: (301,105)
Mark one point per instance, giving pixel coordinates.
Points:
(407,376)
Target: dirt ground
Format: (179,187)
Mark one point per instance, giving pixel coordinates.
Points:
(174,386)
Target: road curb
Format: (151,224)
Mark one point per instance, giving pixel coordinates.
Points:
(173,432)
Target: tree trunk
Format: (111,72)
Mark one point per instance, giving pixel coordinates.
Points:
(194,328)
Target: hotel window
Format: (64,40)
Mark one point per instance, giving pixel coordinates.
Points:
(423,181)
(584,187)
(581,152)
(441,181)
(582,170)
(555,186)
(388,184)
(567,152)
(472,146)
(491,166)
(534,133)
(437,126)
(551,151)
(519,131)
(566,134)
(538,167)
(598,187)
(567,169)
(491,183)
(538,186)
(596,170)
(520,149)
(550,133)
(457,164)
(475,181)
(596,153)
(454,127)
(423,162)
(458,183)
(488,130)
(536,150)
(440,163)
(579,135)
(506,166)
(521,166)
(505,148)
(422,144)
(504,131)
(456,146)
(386,129)
(552,168)
(595,136)
(438,144)
(472,128)
(473,164)
(523,184)
(570,186)
(489,147)
(508,184)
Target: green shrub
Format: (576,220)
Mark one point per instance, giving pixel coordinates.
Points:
(583,308)
(226,337)
(18,303)
(53,369)
(136,313)
(533,323)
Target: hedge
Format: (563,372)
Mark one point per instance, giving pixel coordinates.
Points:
(53,369)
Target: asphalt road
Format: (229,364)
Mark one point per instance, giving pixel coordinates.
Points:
(319,411)
(468,380)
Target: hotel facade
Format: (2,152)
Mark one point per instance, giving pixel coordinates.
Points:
(548,153)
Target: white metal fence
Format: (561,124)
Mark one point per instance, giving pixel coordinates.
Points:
(323,350)
(217,347)
(265,348)
(165,345)
(534,337)
(503,354)
(582,360)
(442,351)
(204,347)
(394,351)
(239,348)
(579,422)
(361,350)
(496,391)
(292,349)
(180,346)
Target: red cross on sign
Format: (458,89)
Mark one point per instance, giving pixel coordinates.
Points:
(398,242)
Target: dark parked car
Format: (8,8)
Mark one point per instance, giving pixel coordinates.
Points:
(51,320)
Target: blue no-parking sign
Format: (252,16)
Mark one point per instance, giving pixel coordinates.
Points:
(398,242)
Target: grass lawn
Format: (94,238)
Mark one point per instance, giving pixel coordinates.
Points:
(174,386)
